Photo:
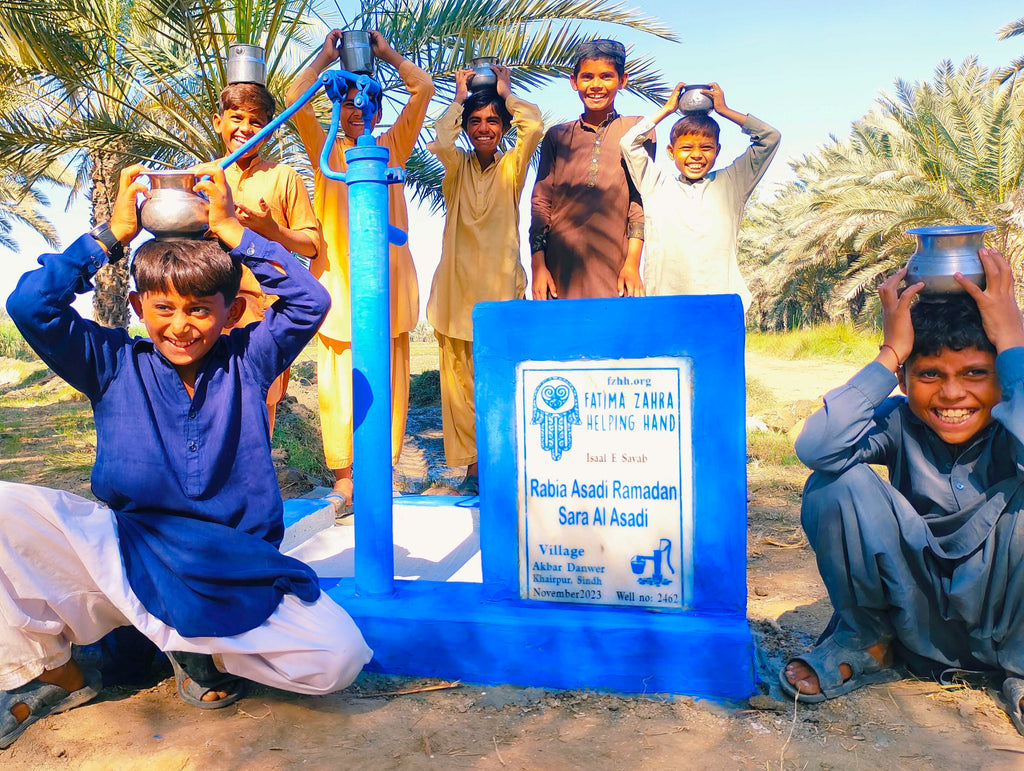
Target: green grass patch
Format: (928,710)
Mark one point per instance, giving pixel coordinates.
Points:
(12,344)
(425,389)
(300,437)
(838,342)
(759,397)
(771,448)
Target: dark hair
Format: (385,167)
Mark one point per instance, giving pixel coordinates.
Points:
(196,267)
(247,96)
(952,322)
(478,100)
(611,51)
(696,123)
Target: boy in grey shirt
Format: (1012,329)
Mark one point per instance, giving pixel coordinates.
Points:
(932,560)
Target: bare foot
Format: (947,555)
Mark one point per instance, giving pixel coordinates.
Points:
(805,680)
(344,487)
(67,676)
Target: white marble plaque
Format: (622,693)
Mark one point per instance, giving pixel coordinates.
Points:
(605,481)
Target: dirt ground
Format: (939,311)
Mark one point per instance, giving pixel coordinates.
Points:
(387,722)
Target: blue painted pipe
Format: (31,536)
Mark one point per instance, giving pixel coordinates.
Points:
(369,270)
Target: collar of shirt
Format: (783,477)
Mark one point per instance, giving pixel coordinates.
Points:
(604,124)
(693,182)
(476,161)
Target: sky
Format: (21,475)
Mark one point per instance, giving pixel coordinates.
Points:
(808,68)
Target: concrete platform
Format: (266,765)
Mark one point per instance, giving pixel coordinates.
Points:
(437,538)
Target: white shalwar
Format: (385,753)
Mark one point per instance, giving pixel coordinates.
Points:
(62,581)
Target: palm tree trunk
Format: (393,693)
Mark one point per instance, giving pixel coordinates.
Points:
(110,299)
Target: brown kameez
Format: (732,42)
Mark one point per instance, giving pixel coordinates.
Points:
(584,207)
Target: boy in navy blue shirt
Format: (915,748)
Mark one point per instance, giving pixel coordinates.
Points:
(186,546)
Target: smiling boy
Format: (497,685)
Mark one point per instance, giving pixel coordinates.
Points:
(929,564)
(587,219)
(480,250)
(694,216)
(184,541)
(270,199)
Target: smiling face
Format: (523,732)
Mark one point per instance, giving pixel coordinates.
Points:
(953,392)
(485,130)
(184,328)
(351,120)
(694,155)
(237,126)
(597,82)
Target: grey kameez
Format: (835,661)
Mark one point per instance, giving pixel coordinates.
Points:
(934,557)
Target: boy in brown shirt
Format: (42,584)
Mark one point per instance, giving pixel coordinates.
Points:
(587,225)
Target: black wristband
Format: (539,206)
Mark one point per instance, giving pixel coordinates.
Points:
(103,234)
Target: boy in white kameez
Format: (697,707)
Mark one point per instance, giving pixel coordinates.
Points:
(692,219)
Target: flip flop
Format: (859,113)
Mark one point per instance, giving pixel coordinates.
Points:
(825,659)
(342,510)
(195,675)
(1013,692)
(470,485)
(42,699)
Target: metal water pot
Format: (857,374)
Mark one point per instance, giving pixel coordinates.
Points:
(943,251)
(246,64)
(172,209)
(483,75)
(691,100)
(356,52)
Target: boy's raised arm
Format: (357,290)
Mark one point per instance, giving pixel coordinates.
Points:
(81,351)
(850,428)
(764,142)
(403,134)
(310,131)
(634,145)
(448,126)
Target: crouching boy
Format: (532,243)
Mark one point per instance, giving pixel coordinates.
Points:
(932,561)
(184,542)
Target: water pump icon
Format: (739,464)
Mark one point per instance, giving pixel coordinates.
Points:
(639,564)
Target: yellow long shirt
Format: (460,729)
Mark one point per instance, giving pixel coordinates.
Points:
(480,250)
(285,193)
(330,202)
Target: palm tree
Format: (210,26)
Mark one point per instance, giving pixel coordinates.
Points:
(118,82)
(20,200)
(1008,30)
(942,152)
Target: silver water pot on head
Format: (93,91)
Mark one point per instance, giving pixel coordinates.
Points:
(483,75)
(246,64)
(173,209)
(356,52)
(943,251)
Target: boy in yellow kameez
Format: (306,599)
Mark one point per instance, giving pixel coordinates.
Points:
(480,251)
(270,199)
(331,267)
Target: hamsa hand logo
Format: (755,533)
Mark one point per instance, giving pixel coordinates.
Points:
(556,409)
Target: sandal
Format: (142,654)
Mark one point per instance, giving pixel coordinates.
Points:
(195,675)
(1013,692)
(42,699)
(469,486)
(343,508)
(825,660)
